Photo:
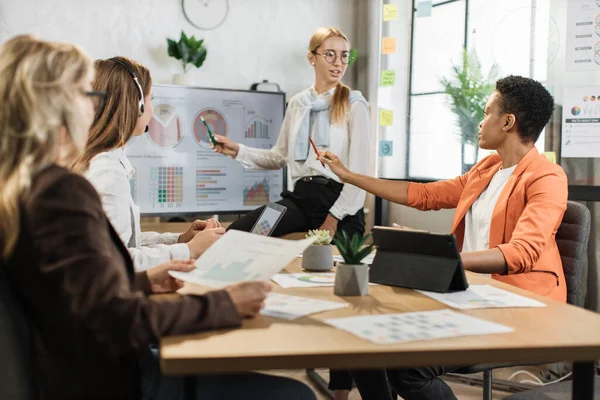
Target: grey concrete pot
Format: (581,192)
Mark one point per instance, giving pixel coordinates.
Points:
(351,280)
(318,258)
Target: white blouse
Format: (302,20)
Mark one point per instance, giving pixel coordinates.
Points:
(479,216)
(110,172)
(349,141)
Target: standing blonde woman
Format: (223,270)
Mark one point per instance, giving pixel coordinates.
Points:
(337,119)
(93,316)
(126,112)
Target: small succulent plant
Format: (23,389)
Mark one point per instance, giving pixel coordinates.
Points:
(323,237)
(352,250)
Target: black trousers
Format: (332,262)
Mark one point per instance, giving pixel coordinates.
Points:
(410,383)
(307,208)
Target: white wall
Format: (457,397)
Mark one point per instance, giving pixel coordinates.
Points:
(580,168)
(260,39)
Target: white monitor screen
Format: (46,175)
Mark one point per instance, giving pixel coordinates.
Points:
(177,172)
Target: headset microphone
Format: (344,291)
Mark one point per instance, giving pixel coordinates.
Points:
(125,64)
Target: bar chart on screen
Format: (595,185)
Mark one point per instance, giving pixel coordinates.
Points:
(258,128)
(209,184)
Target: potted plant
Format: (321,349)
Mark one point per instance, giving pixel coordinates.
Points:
(318,256)
(190,52)
(352,276)
(469,89)
(353,57)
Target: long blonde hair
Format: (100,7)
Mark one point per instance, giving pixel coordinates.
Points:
(41,84)
(340,101)
(115,122)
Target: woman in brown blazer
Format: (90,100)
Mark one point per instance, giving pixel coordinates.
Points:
(93,317)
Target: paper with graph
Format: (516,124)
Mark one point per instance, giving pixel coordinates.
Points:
(406,327)
(289,307)
(242,256)
(483,296)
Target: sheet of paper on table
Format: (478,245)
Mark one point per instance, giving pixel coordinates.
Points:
(405,327)
(242,256)
(284,306)
(367,260)
(306,279)
(483,296)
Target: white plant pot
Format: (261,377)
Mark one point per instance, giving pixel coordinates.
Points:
(351,280)
(183,79)
(318,258)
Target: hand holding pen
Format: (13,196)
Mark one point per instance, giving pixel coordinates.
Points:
(314,146)
(335,165)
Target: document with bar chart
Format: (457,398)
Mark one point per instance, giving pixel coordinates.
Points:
(255,258)
(176,169)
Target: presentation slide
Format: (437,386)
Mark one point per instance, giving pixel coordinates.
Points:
(177,172)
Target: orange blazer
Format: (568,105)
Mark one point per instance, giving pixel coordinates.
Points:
(524,221)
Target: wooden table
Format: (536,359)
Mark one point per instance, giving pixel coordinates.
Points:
(556,332)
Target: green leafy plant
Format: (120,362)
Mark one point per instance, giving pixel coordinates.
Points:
(353,56)
(323,237)
(469,89)
(187,50)
(353,250)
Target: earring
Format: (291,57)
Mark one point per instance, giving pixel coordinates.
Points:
(313,63)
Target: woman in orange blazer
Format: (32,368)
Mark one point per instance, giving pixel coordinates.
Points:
(508,209)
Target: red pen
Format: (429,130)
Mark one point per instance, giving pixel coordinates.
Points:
(315,148)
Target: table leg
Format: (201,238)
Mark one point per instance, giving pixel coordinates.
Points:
(320,382)
(583,380)
(189,387)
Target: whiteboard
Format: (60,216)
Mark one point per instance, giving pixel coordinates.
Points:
(176,171)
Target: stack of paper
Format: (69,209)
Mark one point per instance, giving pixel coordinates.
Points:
(396,328)
(284,306)
(483,296)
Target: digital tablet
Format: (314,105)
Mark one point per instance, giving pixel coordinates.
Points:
(417,260)
(268,220)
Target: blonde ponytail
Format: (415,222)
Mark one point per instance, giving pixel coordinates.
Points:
(340,103)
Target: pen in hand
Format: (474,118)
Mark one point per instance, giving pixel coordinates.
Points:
(316,150)
(210,134)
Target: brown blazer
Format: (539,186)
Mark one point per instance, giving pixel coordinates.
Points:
(91,312)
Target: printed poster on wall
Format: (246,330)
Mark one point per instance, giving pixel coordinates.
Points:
(581,122)
(583,35)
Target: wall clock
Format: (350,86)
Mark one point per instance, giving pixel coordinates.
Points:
(205,14)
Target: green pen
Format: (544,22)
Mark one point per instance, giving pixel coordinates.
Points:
(210,134)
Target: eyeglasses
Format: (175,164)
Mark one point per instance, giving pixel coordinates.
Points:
(98,98)
(330,56)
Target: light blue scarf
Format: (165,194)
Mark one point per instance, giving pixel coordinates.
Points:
(316,115)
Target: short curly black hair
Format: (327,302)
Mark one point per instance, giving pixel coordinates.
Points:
(529,101)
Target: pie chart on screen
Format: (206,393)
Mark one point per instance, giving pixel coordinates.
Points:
(164,129)
(214,119)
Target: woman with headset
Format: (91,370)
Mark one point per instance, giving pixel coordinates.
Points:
(337,120)
(93,316)
(126,113)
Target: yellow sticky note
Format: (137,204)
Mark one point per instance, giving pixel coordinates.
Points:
(386,117)
(388,45)
(390,12)
(551,156)
(388,77)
